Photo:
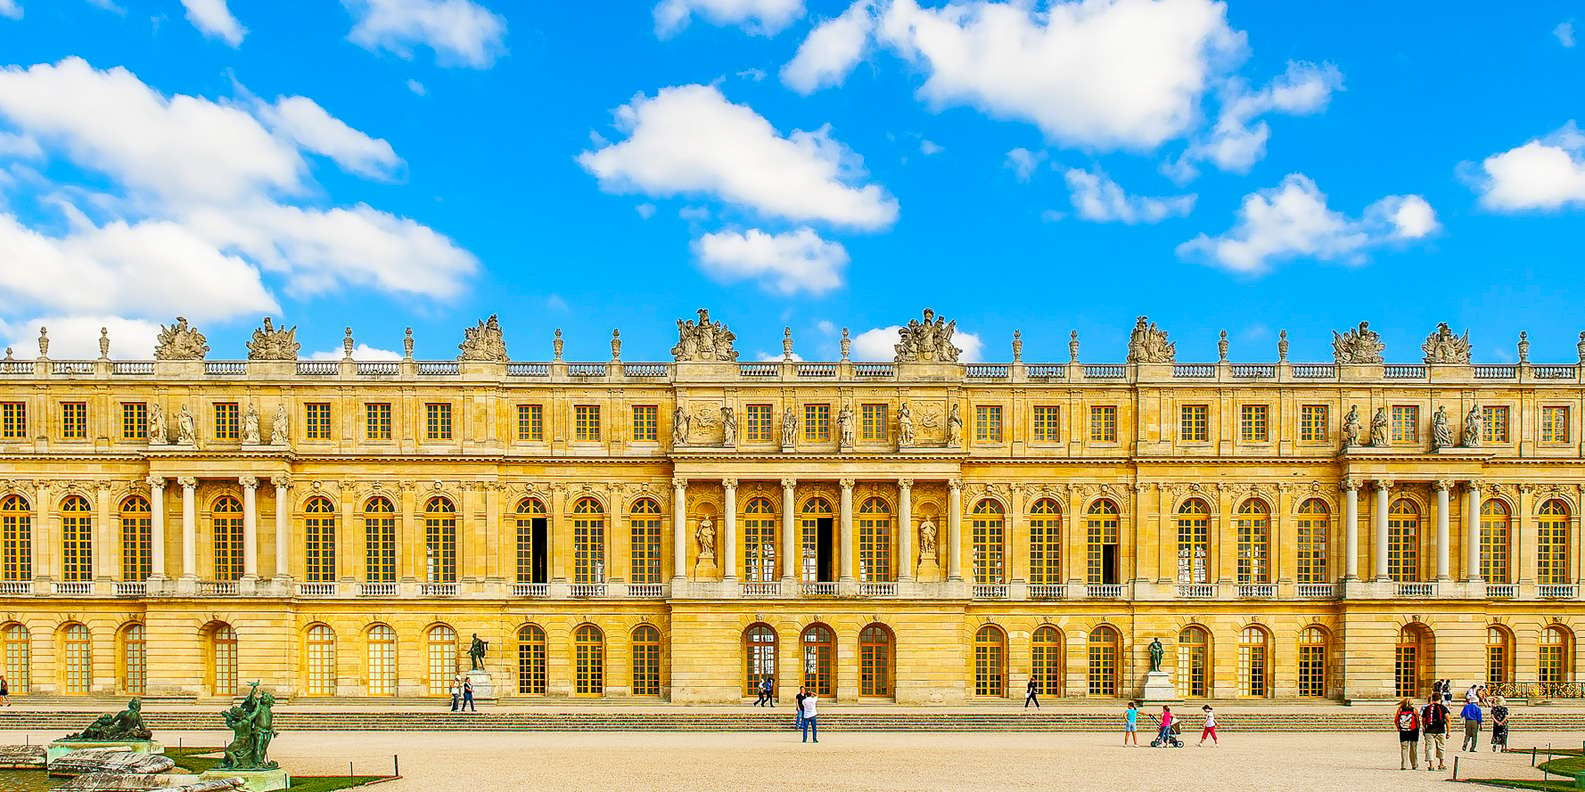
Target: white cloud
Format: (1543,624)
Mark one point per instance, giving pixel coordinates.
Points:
(1102,74)
(831,50)
(1564,33)
(10,9)
(77,337)
(417,87)
(930,147)
(645,210)
(1543,174)
(752,75)
(1096,197)
(787,263)
(308,125)
(1023,162)
(759,17)
(459,31)
(766,357)
(1238,140)
(690,140)
(881,344)
(359,352)
(1292,220)
(214,19)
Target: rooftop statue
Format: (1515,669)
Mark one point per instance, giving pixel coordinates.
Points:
(929,341)
(704,340)
(1444,347)
(1360,345)
(484,342)
(272,343)
(180,341)
(124,725)
(1148,344)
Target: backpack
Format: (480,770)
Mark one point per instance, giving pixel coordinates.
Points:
(1408,721)
(1435,717)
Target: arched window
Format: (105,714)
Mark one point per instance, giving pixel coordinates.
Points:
(990,661)
(1313,530)
(1551,543)
(222,661)
(875,661)
(1254,542)
(588,541)
(1105,647)
(225,519)
(379,541)
(137,555)
(990,541)
(814,559)
(1047,660)
(1194,662)
(1554,662)
(16,539)
(530,512)
(1254,670)
(1403,541)
(1414,661)
(875,541)
(319,541)
(1194,542)
(1312,662)
(440,546)
(1101,528)
(441,652)
(382,660)
(1045,543)
(77,539)
(759,541)
(532,665)
(644,521)
(18,657)
(646,661)
(134,659)
(819,656)
(1499,655)
(321,656)
(589,653)
(1496,526)
(78,651)
(759,657)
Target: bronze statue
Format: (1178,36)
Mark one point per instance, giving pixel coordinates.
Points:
(1156,651)
(124,725)
(252,725)
(476,652)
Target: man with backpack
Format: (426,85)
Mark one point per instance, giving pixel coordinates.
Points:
(1433,724)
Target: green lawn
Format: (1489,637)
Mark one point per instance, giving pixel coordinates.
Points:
(1567,766)
(189,759)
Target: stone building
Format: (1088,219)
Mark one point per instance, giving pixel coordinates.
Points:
(917,530)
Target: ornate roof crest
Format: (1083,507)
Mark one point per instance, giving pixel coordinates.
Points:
(1444,347)
(1148,344)
(1360,345)
(705,340)
(484,342)
(929,341)
(272,343)
(180,341)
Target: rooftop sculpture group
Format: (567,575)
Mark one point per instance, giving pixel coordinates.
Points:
(929,341)
(705,340)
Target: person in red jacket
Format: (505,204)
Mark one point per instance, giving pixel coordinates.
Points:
(1408,723)
(1433,724)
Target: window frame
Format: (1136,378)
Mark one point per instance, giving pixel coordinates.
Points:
(1194,423)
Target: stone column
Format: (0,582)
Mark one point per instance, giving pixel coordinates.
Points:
(679,528)
(789,529)
(103,536)
(250,527)
(1441,486)
(45,533)
(283,533)
(156,528)
(1350,529)
(845,530)
(955,529)
(1378,518)
(1472,572)
(729,529)
(189,527)
(905,529)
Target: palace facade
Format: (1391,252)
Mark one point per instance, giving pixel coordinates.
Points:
(918,530)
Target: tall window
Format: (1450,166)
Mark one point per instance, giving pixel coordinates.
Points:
(1314,423)
(586,423)
(1499,655)
(134,659)
(437,421)
(759,541)
(18,657)
(817,423)
(531,663)
(646,661)
(321,651)
(1554,424)
(227,427)
(77,539)
(819,660)
(814,510)
(79,659)
(1045,542)
(990,661)
(1047,425)
(1253,426)
(382,660)
(990,541)
(646,423)
(379,541)
(1194,662)
(13,420)
(1312,662)
(529,510)
(134,420)
(1412,661)
(316,420)
(222,661)
(988,423)
(74,420)
(1403,541)
(875,661)
(440,541)
(1312,530)
(441,652)
(531,422)
(1254,652)
(136,539)
(1047,660)
(759,657)
(1254,542)
(1103,423)
(1551,545)
(588,645)
(1405,423)
(875,541)
(588,541)
(1101,529)
(1494,424)
(873,422)
(757,427)
(377,420)
(644,523)
(1194,544)
(1105,647)
(319,541)
(1194,425)
(16,539)
(1554,664)
(1496,526)
(225,519)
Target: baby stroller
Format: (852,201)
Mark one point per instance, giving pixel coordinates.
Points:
(1172,736)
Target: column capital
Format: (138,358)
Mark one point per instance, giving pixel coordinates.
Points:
(1441,485)
(846,483)
(155,482)
(905,483)
(789,483)
(248,482)
(187,482)
(1472,486)
(1348,484)
(679,481)
(1382,484)
(730,483)
(281,482)
(954,484)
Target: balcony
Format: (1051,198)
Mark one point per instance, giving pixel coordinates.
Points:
(16,587)
(316,589)
(1047,591)
(989,591)
(74,588)
(646,590)
(1315,590)
(218,588)
(819,588)
(1552,591)
(757,588)
(1502,590)
(530,589)
(130,588)
(1417,590)
(1103,590)
(437,589)
(588,590)
(1196,591)
(878,589)
(377,589)
(1257,590)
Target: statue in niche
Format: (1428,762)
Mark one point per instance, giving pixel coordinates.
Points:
(1473,424)
(728,426)
(927,539)
(1444,347)
(954,427)
(158,434)
(845,425)
(789,428)
(1359,345)
(185,432)
(905,426)
(679,426)
(705,536)
(1378,429)
(1351,427)
(278,429)
(1441,433)
(250,426)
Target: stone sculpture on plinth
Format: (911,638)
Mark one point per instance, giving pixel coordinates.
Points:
(1158,683)
(252,725)
(124,730)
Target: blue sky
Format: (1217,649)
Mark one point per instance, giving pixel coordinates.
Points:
(589,166)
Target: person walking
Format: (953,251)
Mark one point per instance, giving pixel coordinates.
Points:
(1499,724)
(1408,725)
(1433,724)
(467,697)
(1209,730)
(811,724)
(1131,724)
(798,707)
(1164,736)
(456,694)
(1472,720)
(1030,692)
(5,692)
(1447,694)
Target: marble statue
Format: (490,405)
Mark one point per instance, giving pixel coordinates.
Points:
(250,426)
(158,434)
(272,343)
(1441,433)
(846,344)
(278,430)
(905,426)
(1444,347)
(347,344)
(252,725)
(1156,652)
(124,725)
(929,341)
(104,343)
(1282,346)
(927,539)
(1018,346)
(679,426)
(407,344)
(705,536)
(476,649)
(704,340)
(954,427)
(789,428)
(1351,427)
(616,346)
(557,345)
(1359,345)
(1524,347)
(1378,429)
(786,344)
(845,425)
(180,341)
(1221,347)
(185,432)
(1073,346)
(728,426)
(1148,344)
(44,342)
(1473,424)
(484,342)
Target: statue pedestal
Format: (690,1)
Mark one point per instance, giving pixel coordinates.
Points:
(705,568)
(254,780)
(929,570)
(1159,689)
(483,687)
(60,748)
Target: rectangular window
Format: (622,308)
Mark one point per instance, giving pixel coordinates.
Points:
(437,421)
(227,426)
(1103,424)
(1554,425)
(646,423)
(873,423)
(1252,423)
(74,420)
(377,420)
(1194,423)
(1494,424)
(817,422)
(586,423)
(1405,423)
(1313,423)
(316,421)
(13,420)
(134,420)
(1046,424)
(531,422)
(988,423)
(759,423)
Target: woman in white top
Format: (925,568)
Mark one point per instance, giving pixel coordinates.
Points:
(810,714)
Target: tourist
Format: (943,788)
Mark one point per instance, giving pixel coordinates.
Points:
(765,689)
(1165,735)
(1131,724)
(1408,724)
(1447,694)
(1436,690)
(456,694)
(1029,694)
(1209,730)
(798,707)
(467,697)
(811,726)
(1499,724)
(1471,716)
(5,692)
(1472,696)
(1433,724)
